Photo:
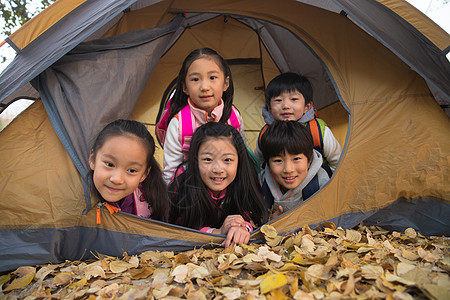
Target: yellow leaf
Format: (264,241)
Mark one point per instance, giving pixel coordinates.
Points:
(62,278)
(269,231)
(329,225)
(301,260)
(24,276)
(79,283)
(5,278)
(275,241)
(277,295)
(272,282)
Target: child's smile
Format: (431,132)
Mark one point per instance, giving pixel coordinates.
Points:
(119,166)
(217,164)
(289,170)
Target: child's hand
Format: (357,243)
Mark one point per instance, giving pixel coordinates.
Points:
(276,213)
(232,221)
(238,235)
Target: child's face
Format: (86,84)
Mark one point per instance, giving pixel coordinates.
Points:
(205,83)
(217,164)
(289,170)
(288,106)
(119,167)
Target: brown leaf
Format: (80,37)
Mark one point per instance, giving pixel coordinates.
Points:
(269,231)
(119,266)
(93,271)
(62,278)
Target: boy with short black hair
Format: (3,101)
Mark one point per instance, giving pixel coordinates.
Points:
(289,98)
(293,170)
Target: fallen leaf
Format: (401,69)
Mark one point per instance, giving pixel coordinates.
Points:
(24,276)
(229,292)
(119,266)
(79,283)
(62,278)
(269,231)
(272,281)
(411,233)
(180,273)
(352,235)
(371,271)
(93,271)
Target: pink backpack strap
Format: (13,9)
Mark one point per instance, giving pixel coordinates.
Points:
(185,129)
(161,126)
(234,120)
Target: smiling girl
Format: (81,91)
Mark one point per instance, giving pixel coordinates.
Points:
(203,93)
(219,192)
(124,171)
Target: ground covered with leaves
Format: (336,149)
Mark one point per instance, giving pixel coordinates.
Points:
(327,263)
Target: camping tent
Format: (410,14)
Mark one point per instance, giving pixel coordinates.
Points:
(379,74)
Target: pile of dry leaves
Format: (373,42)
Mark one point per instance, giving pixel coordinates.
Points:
(312,264)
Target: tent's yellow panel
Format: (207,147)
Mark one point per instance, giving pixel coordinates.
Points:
(431,30)
(40,23)
(148,17)
(40,185)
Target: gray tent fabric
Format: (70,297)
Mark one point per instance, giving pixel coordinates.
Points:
(284,47)
(57,41)
(73,86)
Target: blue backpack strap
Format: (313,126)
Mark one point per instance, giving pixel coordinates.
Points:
(311,188)
(267,194)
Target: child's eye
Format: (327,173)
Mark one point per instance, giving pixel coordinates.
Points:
(277,160)
(276,100)
(212,77)
(108,164)
(195,79)
(228,160)
(207,159)
(132,170)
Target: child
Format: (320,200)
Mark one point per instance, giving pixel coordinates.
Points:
(204,93)
(124,172)
(219,192)
(289,97)
(294,169)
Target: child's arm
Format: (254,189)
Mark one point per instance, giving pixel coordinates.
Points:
(331,149)
(236,229)
(173,153)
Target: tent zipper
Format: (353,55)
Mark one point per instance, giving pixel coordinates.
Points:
(111,209)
